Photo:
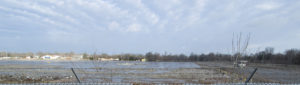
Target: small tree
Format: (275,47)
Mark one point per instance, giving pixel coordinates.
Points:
(239,47)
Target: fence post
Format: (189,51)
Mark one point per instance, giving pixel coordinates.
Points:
(249,78)
(111,77)
(75,75)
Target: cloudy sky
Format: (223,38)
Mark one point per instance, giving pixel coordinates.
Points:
(139,26)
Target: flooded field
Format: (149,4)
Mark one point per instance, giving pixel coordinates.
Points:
(103,72)
(12,71)
(270,73)
(96,64)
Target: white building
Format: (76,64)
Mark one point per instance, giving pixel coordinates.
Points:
(36,57)
(5,58)
(77,56)
(28,57)
(108,59)
(50,57)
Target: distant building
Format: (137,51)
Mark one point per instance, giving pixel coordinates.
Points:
(73,57)
(67,58)
(242,63)
(28,57)
(143,60)
(36,57)
(77,56)
(4,58)
(50,57)
(108,59)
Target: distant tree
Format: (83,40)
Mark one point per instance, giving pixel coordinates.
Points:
(40,53)
(104,55)
(71,54)
(29,54)
(193,57)
(269,50)
(293,56)
(3,54)
(152,57)
(266,55)
(297,58)
(85,55)
(10,55)
(182,57)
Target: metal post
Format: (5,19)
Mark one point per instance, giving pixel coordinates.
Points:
(75,75)
(249,78)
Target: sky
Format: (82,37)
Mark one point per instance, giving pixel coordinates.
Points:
(140,26)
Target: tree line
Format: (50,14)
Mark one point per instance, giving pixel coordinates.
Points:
(291,56)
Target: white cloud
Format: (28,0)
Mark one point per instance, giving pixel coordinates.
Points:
(58,35)
(67,20)
(150,16)
(167,4)
(9,31)
(268,6)
(56,2)
(21,12)
(114,25)
(134,28)
(35,7)
(61,36)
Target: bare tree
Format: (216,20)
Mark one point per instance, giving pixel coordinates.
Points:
(239,48)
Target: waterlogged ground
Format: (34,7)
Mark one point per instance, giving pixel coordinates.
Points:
(97,64)
(13,71)
(44,71)
(266,73)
